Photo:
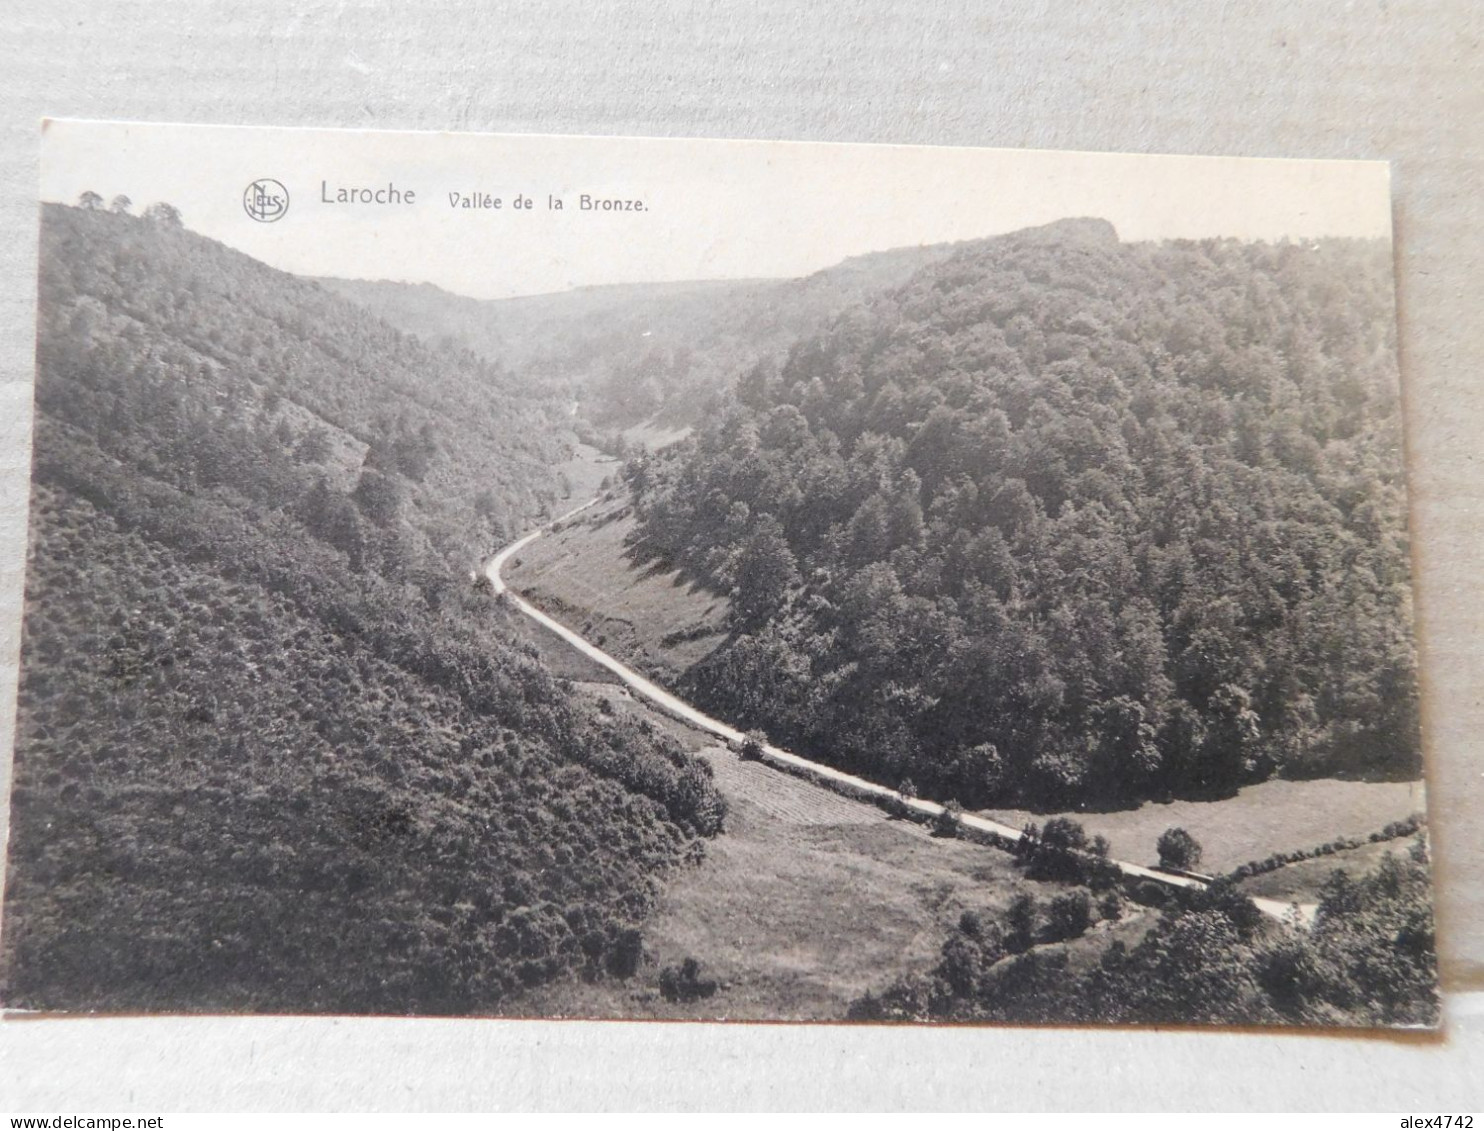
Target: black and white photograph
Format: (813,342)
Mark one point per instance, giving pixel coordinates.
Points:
(602,578)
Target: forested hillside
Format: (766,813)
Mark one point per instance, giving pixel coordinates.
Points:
(1065,521)
(160,322)
(274,751)
(629,353)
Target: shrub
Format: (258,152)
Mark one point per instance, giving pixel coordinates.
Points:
(684,982)
(896,806)
(1178,849)
(1063,853)
(1150,893)
(1223,896)
(1101,874)
(948,820)
(1064,834)
(1069,915)
(1030,837)
(1020,924)
(625,953)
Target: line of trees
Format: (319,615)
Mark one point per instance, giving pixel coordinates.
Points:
(161,212)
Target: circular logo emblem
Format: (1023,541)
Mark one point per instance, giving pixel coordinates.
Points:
(266,200)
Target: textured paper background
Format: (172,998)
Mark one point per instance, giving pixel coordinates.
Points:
(1377,79)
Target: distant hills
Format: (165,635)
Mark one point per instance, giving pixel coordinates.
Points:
(634,352)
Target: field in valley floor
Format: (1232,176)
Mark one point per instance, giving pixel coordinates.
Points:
(805,902)
(1272,816)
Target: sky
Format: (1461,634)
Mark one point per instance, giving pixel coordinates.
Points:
(710,209)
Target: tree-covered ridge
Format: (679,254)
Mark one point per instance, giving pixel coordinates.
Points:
(272,752)
(166,333)
(1068,521)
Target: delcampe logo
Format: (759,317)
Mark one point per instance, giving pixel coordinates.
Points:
(266,200)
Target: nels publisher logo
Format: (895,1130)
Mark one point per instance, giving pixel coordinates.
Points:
(266,200)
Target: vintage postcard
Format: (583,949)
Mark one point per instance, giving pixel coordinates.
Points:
(618,578)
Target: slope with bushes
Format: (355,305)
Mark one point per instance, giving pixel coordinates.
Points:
(274,751)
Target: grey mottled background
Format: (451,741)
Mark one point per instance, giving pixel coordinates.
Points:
(1395,80)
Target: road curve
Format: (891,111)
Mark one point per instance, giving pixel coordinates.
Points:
(679,708)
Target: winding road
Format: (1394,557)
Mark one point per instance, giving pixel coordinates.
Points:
(858,787)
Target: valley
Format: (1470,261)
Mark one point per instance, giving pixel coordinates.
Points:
(1061,528)
(919,603)
(587,574)
(780,900)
